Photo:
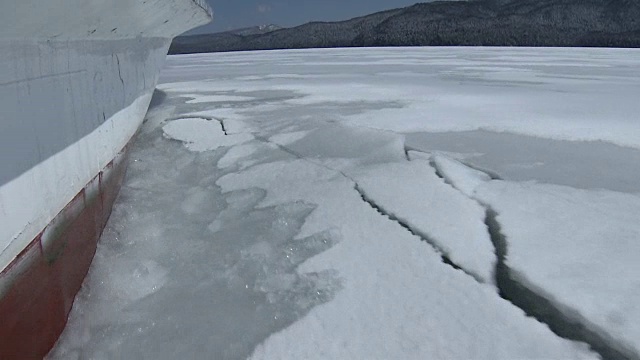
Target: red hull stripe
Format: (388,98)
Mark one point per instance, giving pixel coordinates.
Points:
(38,288)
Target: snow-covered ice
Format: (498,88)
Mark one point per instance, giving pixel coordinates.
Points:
(201,134)
(578,248)
(306,207)
(397,296)
(412,193)
(575,248)
(462,177)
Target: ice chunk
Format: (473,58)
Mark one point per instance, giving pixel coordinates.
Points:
(202,134)
(197,99)
(415,195)
(459,176)
(577,248)
(427,155)
(232,118)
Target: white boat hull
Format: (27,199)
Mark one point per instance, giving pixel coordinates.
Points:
(73,92)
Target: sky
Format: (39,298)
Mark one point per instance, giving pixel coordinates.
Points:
(236,14)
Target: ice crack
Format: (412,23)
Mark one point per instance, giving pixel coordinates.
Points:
(219,120)
(542,309)
(445,259)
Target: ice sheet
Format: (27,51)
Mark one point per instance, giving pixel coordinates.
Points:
(572,247)
(288,138)
(237,154)
(462,177)
(260,242)
(578,248)
(196,99)
(565,94)
(201,134)
(398,298)
(525,158)
(416,196)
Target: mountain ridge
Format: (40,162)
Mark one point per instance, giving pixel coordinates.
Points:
(255,30)
(596,23)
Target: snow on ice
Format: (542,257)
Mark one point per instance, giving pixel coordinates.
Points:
(578,248)
(398,297)
(202,134)
(412,193)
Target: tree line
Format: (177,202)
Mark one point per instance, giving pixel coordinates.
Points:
(600,23)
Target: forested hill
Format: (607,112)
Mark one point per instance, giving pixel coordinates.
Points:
(605,23)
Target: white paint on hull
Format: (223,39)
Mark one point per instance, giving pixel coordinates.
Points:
(76,78)
(43,191)
(100,19)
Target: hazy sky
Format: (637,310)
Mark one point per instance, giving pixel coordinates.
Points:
(234,14)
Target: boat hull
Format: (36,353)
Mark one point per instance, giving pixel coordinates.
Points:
(64,120)
(44,279)
(76,79)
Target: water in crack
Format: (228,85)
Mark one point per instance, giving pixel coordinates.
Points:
(540,308)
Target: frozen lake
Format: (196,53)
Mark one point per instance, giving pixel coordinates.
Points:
(404,203)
